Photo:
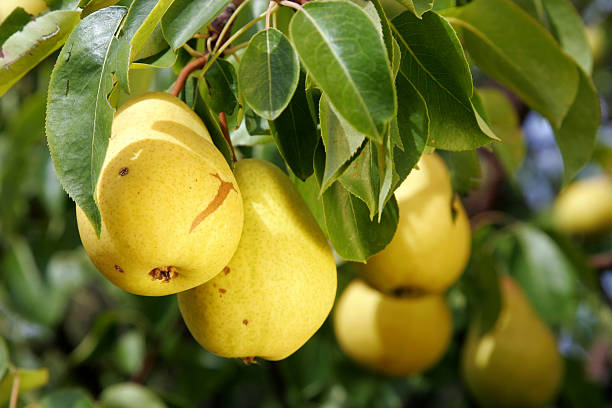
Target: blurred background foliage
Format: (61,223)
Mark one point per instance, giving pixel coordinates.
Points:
(76,340)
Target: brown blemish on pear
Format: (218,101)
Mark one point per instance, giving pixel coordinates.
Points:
(118,268)
(164,274)
(245,322)
(226,270)
(224,189)
(124,171)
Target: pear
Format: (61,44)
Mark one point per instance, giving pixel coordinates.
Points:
(585,206)
(280,285)
(516,363)
(34,7)
(171,209)
(392,335)
(431,245)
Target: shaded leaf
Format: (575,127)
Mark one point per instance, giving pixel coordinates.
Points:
(129,395)
(130,351)
(186,17)
(362,179)
(434,63)
(28,380)
(67,398)
(25,49)
(78,113)
(13,23)
(220,88)
(269,73)
(417,7)
(495,34)
(343,52)
(295,134)
(4,358)
(464,169)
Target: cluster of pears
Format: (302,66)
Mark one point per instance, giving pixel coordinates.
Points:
(254,273)
(516,364)
(395,319)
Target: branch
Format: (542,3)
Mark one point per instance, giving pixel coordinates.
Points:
(601,261)
(186,71)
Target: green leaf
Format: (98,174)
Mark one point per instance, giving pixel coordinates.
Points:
(417,7)
(130,351)
(186,17)
(79,115)
(140,21)
(295,134)
(220,88)
(546,275)
(577,134)
(464,169)
(434,63)
(4,358)
(342,50)
(340,139)
(361,177)
(269,73)
(129,395)
(495,33)
(504,120)
(13,23)
(25,49)
(566,26)
(164,59)
(28,380)
(95,5)
(68,398)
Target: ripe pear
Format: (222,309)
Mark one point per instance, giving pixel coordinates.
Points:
(171,208)
(517,363)
(431,245)
(392,335)
(34,7)
(280,285)
(585,206)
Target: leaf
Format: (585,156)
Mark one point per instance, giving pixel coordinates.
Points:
(343,52)
(95,5)
(78,113)
(340,139)
(140,21)
(186,17)
(13,23)
(577,134)
(464,169)
(504,120)
(28,380)
(130,351)
(361,177)
(128,395)
(269,73)
(67,398)
(220,90)
(566,26)
(546,275)
(25,49)
(434,63)
(4,358)
(295,134)
(417,7)
(495,33)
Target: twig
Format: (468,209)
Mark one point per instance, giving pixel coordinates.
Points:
(268,12)
(235,48)
(223,123)
(14,391)
(601,261)
(292,4)
(186,71)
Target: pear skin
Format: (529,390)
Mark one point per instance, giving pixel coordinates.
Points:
(432,243)
(396,336)
(280,285)
(517,363)
(585,206)
(171,209)
(34,7)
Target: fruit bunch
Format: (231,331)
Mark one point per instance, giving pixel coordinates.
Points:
(395,319)
(254,273)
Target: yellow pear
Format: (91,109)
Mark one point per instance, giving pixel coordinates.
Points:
(280,285)
(171,209)
(34,7)
(432,242)
(516,363)
(392,335)
(585,206)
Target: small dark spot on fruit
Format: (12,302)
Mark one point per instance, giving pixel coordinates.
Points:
(221,290)
(164,274)
(226,270)
(124,171)
(245,322)
(118,268)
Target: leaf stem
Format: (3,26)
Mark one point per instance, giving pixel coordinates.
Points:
(228,24)
(291,4)
(235,48)
(223,123)
(15,390)
(268,12)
